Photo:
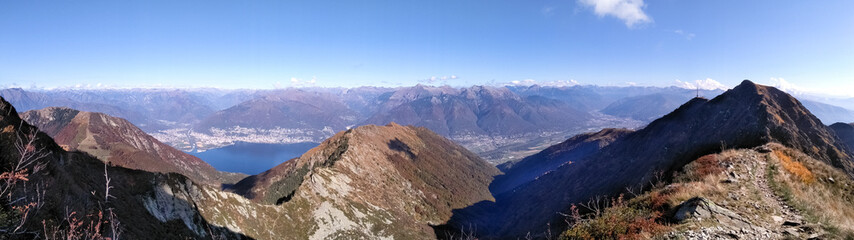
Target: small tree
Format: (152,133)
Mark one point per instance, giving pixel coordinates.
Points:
(21,207)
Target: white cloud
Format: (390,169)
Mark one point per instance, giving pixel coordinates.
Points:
(298,82)
(704,84)
(786,86)
(531,82)
(630,11)
(526,82)
(837,90)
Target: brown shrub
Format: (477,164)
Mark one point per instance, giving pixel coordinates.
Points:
(664,199)
(702,167)
(619,221)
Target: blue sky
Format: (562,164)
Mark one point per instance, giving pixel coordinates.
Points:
(806,45)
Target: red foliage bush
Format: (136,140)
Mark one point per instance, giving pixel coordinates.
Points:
(704,166)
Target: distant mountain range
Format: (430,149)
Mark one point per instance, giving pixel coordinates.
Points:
(83,173)
(150,109)
(498,123)
(829,114)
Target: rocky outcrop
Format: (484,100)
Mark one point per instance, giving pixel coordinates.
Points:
(699,208)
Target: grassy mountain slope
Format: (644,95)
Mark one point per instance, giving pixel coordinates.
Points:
(120,143)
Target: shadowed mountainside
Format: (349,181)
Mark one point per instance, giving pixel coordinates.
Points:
(571,151)
(845,132)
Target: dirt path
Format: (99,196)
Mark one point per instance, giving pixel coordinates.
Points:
(788,213)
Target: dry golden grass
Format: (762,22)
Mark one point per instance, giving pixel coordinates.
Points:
(828,202)
(9,129)
(794,167)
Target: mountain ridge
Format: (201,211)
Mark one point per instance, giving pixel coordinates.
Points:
(412,173)
(118,142)
(746,116)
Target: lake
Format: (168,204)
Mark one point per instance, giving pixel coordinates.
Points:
(252,158)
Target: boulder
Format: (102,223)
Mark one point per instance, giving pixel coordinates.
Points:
(700,208)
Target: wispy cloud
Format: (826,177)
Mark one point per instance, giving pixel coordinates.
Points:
(630,11)
(704,84)
(531,82)
(548,11)
(684,34)
(435,79)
